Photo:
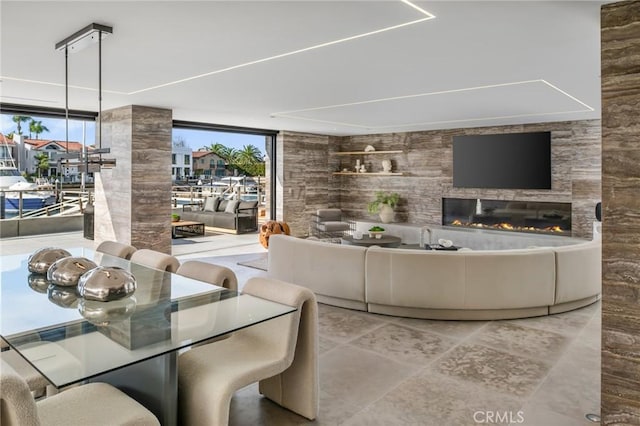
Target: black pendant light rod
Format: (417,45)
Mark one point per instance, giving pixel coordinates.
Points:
(100,93)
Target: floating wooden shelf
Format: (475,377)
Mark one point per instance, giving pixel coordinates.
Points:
(368,174)
(367,152)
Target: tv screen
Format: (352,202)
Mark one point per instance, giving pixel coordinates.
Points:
(507,161)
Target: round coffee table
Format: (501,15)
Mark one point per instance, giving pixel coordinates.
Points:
(366,241)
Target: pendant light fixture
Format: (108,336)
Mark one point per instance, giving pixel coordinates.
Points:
(81,39)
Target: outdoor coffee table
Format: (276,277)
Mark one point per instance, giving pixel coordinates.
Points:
(185,228)
(366,241)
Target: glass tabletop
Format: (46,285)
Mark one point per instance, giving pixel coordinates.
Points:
(69,339)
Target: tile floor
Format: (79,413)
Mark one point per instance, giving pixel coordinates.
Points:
(381,370)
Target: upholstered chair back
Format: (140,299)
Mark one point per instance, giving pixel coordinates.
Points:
(155,259)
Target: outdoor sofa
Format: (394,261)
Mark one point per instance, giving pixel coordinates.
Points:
(234,215)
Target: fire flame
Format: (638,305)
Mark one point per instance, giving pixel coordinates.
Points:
(509,227)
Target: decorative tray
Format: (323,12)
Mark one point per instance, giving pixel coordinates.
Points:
(440,247)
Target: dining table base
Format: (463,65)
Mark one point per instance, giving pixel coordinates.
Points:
(153,383)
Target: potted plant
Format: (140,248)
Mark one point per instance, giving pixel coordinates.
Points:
(175,217)
(384,203)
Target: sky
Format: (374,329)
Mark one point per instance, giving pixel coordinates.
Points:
(196,139)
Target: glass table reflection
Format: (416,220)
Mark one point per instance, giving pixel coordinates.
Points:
(70,340)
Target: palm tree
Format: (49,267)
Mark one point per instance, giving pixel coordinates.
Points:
(42,162)
(249,155)
(37,128)
(223,151)
(20,119)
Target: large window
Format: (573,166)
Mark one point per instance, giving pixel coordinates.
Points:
(36,130)
(240,158)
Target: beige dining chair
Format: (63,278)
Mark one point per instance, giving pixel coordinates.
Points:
(92,404)
(35,381)
(209,273)
(155,259)
(282,354)
(117,249)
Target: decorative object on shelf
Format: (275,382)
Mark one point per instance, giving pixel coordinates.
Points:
(376,232)
(106,283)
(369,148)
(384,204)
(363,169)
(66,272)
(38,283)
(357,165)
(175,217)
(104,313)
(41,259)
(386,166)
(65,297)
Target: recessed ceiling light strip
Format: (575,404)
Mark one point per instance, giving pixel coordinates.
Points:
(315,120)
(427,17)
(47,83)
(427,123)
(417,95)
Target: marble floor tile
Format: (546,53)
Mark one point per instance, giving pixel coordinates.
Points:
(568,323)
(450,329)
(493,369)
(404,344)
(326,345)
(572,387)
(543,345)
(359,377)
(432,399)
(343,325)
(534,415)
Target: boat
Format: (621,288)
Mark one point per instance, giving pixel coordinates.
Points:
(15,186)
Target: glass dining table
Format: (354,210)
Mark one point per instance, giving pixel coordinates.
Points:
(132,343)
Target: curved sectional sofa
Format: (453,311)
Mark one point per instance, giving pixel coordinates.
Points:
(461,285)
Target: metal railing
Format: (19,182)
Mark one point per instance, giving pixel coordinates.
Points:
(71,202)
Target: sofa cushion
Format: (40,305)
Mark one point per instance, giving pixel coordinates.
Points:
(325,215)
(231,206)
(222,205)
(247,204)
(210,204)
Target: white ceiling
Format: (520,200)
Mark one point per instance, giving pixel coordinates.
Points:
(274,65)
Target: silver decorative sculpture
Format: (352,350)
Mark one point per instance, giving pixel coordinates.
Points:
(67,271)
(41,259)
(38,282)
(106,283)
(65,297)
(104,313)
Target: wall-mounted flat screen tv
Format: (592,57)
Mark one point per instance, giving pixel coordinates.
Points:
(509,161)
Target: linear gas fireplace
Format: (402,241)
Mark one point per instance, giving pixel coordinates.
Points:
(520,216)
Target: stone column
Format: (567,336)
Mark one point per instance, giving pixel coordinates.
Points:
(621,213)
(133,199)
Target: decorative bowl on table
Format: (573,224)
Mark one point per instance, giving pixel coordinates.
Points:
(106,283)
(41,259)
(376,232)
(67,271)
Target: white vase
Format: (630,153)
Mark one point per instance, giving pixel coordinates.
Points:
(386,213)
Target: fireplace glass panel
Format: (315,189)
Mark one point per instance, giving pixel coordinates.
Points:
(521,216)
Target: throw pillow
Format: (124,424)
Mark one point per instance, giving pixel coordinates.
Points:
(210,204)
(231,206)
(222,205)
